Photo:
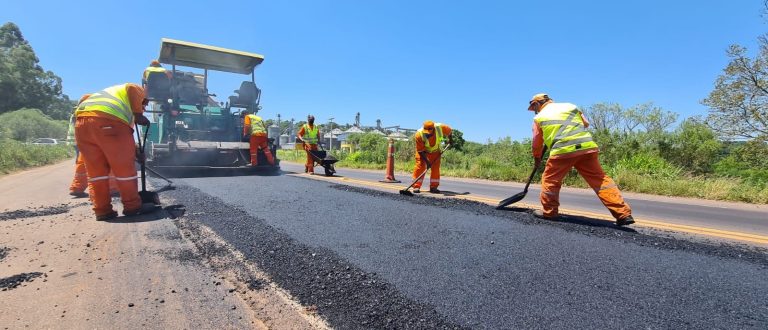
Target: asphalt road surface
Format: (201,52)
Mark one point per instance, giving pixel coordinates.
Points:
(661,211)
(371,259)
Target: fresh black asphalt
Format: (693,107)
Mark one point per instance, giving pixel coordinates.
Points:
(368,259)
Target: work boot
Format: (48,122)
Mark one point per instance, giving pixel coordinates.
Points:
(144,209)
(540,214)
(108,216)
(434,190)
(625,221)
(416,190)
(78,194)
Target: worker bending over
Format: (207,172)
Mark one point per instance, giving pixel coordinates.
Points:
(562,128)
(309,134)
(428,139)
(256,130)
(104,135)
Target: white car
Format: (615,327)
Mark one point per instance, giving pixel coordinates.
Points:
(45,141)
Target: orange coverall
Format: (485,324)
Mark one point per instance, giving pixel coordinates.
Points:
(257,141)
(587,164)
(433,157)
(107,143)
(309,166)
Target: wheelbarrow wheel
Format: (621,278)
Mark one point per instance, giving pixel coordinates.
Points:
(329,171)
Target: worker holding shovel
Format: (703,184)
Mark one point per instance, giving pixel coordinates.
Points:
(428,140)
(561,127)
(103,131)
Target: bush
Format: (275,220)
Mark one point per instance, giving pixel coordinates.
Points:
(27,124)
(15,155)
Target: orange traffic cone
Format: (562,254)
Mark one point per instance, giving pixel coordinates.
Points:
(390,178)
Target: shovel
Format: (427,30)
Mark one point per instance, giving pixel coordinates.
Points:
(406,191)
(519,196)
(146,196)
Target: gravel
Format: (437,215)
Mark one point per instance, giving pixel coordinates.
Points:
(37,211)
(10,283)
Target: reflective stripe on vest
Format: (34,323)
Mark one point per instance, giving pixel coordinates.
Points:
(113,100)
(257,125)
(310,135)
(563,129)
(153,69)
(438,138)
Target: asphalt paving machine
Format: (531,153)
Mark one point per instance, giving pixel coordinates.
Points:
(194,134)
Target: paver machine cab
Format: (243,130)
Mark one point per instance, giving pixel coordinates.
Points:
(194,134)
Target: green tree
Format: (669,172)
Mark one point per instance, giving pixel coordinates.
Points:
(693,145)
(739,103)
(458,140)
(23,82)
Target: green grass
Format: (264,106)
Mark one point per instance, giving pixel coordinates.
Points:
(16,156)
(636,174)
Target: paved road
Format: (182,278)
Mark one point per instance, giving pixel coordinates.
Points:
(736,217)
(369,259)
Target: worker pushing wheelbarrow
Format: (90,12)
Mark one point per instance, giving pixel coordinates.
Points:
(322,158)
(309,135)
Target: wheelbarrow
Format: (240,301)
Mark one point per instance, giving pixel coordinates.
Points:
(322,158)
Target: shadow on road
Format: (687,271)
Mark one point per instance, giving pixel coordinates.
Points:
(449,193)
(168,212)
(575,219)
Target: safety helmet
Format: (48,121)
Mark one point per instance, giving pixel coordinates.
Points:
(538,98)
(429,125)
(154,63)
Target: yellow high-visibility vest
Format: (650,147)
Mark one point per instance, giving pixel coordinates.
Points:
(152,69)
(563,129)
(113,100)
(310,134)
(257,125)
(438,138)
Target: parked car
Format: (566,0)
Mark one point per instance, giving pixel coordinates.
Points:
(45,141)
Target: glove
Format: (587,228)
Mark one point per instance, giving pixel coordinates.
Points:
(141,120)
(307,147)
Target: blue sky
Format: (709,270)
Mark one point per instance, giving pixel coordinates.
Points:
(471,64)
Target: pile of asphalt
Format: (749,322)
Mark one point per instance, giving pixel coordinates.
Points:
(10,283)
(344,295)
(3,252)
(586,226)
(37,211)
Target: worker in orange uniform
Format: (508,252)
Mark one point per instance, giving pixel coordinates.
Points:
(153,68)
(428,140)
(80,180)
(104,134)
(254,127)
(309,134)
(562,128)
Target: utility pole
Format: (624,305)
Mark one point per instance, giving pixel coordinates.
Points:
(330,133)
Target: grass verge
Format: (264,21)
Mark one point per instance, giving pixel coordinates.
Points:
(15,155)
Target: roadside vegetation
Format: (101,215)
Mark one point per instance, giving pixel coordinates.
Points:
(639,148)
(31,106)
